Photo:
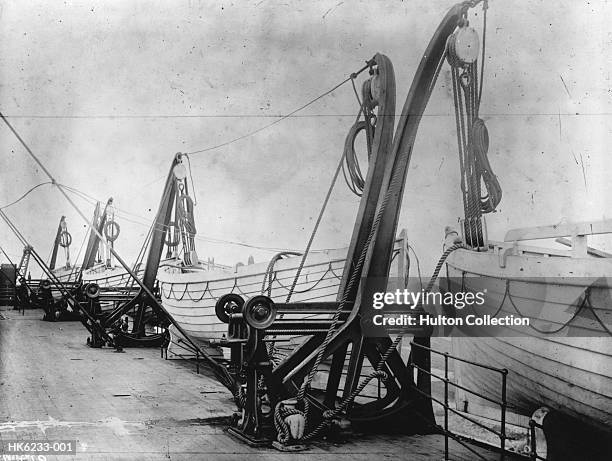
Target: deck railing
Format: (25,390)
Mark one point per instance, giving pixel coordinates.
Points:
(189,352)
(502,403)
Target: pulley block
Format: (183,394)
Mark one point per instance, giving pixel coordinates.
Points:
(371,90)
(376,88)
(92,290)
(227,305)
(463,46)
(179,170)
(465,79)
(45,285)
(259,312)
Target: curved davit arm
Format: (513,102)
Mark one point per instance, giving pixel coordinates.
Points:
(379,257)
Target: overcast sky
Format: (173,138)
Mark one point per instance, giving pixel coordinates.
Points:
(107,92)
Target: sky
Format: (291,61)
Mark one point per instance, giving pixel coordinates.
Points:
(105,94)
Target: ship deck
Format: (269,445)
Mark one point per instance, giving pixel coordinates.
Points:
(135,405)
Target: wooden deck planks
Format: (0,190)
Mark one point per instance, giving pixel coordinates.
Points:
(135,405)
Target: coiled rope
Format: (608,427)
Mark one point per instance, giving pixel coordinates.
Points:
(350,165)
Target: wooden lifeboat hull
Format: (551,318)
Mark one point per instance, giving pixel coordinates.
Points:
(569,370)
(190,297)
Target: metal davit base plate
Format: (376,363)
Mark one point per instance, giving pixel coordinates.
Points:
(129,340)
(289,448)
(251,441)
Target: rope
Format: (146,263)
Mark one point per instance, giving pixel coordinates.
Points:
(281,425)
(378,373)
(472,140)
(141,252)
(545,332)
(191,178)
(506,292)
(485,7)
(480,135)
(282,428)
(416,257)
(310,288)
(350,165)
(186,222)
(394,184)
(203,238)
(354,275)
(26,194)
(586,303)
(283,117)
(316,227)
(346,153)
(221,373)
(269,273)
(269,276)
(76,268)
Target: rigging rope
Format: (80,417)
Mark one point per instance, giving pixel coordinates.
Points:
(310,240)
(469,85)
(356,185)
(283,117)
(76,268)
(347,153)
(203,238)
(472,134)
(316,228)
(485,7)
(343,159)
(220,372)
(195,200)
(268,277)
(394,184)
(26,194)
(280,413)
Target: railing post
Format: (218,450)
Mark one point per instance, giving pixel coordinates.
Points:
(533,447)
(502,434)
(446,405)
